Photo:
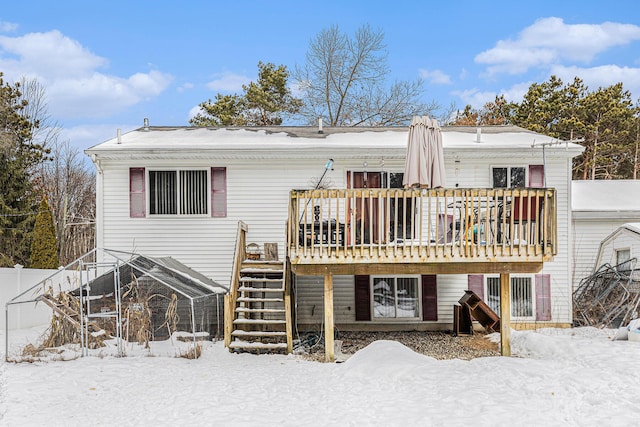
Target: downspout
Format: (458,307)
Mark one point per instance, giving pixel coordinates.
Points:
(99,207)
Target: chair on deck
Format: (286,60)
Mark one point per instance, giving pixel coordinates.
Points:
(526,211)
(445,228)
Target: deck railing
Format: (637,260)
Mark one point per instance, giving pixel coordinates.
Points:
(422,225)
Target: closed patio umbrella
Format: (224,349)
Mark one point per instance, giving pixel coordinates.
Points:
(424,163)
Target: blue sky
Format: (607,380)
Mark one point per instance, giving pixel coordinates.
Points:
(108,65)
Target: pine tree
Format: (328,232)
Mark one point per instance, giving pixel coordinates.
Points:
(19,155)
(44,252)
(263,103)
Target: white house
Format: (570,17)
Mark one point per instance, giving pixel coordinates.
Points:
(599,208)
(387,259)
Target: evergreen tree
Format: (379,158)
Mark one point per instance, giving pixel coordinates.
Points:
(608,118)
(269,97)
(44,252)
(225,111)
(602,120)
(19,155)
(263,103)
(541,107)
(498,112)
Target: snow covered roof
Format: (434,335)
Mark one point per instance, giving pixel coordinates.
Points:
(390,141)
(605,196)
(632,226)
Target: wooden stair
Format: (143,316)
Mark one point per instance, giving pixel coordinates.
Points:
(259,315)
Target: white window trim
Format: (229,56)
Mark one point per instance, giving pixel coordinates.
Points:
(617,250)
(531,277)
(177,170)
(395,319)
(508,167)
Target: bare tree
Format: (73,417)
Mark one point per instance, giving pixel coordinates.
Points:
(344,83)
(69,185)
(63,177)
(43,128)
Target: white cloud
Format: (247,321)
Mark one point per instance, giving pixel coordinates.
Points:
(437,77)
(69,73)
(602,76)
(99,94)
(195,111)
(86,136)
(477,98)
(474,97)
(185,87)
(7,27)
(550,41)
(516,92)
(228,82)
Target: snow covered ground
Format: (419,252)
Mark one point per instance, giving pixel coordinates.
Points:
(575,377)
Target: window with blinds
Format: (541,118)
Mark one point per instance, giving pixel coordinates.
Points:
(183,192)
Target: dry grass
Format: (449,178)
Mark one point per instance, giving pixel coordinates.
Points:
(193,352)
(61,331)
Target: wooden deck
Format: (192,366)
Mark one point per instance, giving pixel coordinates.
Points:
(394,231)
(403,231)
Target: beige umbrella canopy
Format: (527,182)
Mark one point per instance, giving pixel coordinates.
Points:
(424,164)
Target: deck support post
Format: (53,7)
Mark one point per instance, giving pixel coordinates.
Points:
(505,314)
(328,317)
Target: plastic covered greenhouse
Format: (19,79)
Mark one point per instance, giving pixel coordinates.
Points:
(116,303)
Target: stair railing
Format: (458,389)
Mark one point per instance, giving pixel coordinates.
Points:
(230,299)
(288,310)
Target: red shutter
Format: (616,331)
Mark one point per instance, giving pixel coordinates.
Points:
(475,283)
(137,198)
(219,192)
(536,176)
(363,298)
(543,297)
(429,297)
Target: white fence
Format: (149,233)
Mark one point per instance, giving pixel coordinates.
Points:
(15,281)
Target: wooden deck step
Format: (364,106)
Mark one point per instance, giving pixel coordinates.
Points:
(251,289)
(259,279)
(258,322)
(257,345)
(265,270)
(248,299)
(261,262)
(259,310)
(241,333)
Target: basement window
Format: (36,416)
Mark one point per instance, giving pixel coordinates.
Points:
(522,296)
(396,297)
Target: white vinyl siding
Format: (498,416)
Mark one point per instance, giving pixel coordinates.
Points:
(257,193)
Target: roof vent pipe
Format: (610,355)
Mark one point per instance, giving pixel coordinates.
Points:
(479,135)
(119,136)
(320,126)
(146,123)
